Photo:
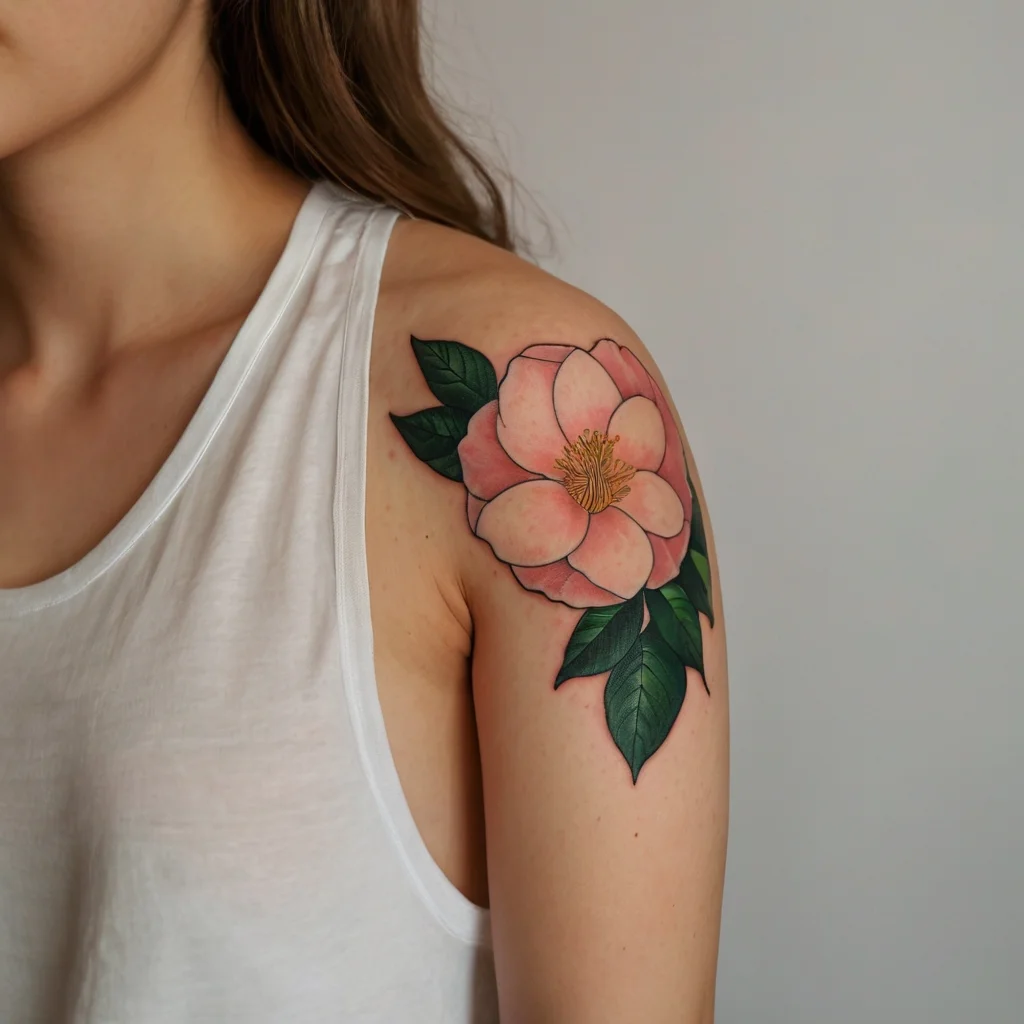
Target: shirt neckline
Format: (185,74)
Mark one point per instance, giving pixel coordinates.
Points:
(256,331)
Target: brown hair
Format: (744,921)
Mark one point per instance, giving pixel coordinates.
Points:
(335,89)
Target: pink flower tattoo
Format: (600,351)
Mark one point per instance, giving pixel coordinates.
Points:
(576,477)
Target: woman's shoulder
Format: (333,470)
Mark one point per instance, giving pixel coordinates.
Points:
(444,283)
(452,305)
(468,335)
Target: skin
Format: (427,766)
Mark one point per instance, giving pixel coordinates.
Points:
(137,227)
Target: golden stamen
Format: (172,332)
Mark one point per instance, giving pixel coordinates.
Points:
(593,477)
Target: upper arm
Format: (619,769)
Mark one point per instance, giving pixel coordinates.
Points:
(599,671)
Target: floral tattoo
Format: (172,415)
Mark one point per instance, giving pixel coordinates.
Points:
(576,477)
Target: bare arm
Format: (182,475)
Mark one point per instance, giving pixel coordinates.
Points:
(599,668)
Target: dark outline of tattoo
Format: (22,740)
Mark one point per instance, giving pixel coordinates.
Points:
(645,655)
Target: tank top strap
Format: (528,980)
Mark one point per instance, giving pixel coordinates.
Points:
(457,914)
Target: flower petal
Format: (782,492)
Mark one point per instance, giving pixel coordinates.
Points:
(585,395)
(552,353)
(624,368)
(654,505)
(486,469)
(616,554)
(526,427)
(669,553)
(532,523)
(641,432)
(559,581)
(668,556)
(673,466)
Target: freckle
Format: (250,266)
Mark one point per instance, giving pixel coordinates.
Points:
(635,834)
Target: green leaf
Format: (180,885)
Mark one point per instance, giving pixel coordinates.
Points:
(458,375)
(698,551)
(677,621)
(642,698)
(701,562)
(434,436)
(698,537)
(601,638)
(692,582)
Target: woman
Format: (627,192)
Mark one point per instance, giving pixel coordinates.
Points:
(271,376)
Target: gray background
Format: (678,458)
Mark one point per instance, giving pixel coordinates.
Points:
(813,213)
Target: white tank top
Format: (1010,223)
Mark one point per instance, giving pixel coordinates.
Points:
(200,819)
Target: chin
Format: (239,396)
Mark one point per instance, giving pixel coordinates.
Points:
(25,123)
(18,138)
(14,138)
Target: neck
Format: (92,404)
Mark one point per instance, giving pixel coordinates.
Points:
(119,228)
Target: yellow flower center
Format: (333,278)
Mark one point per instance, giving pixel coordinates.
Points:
(593,477)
